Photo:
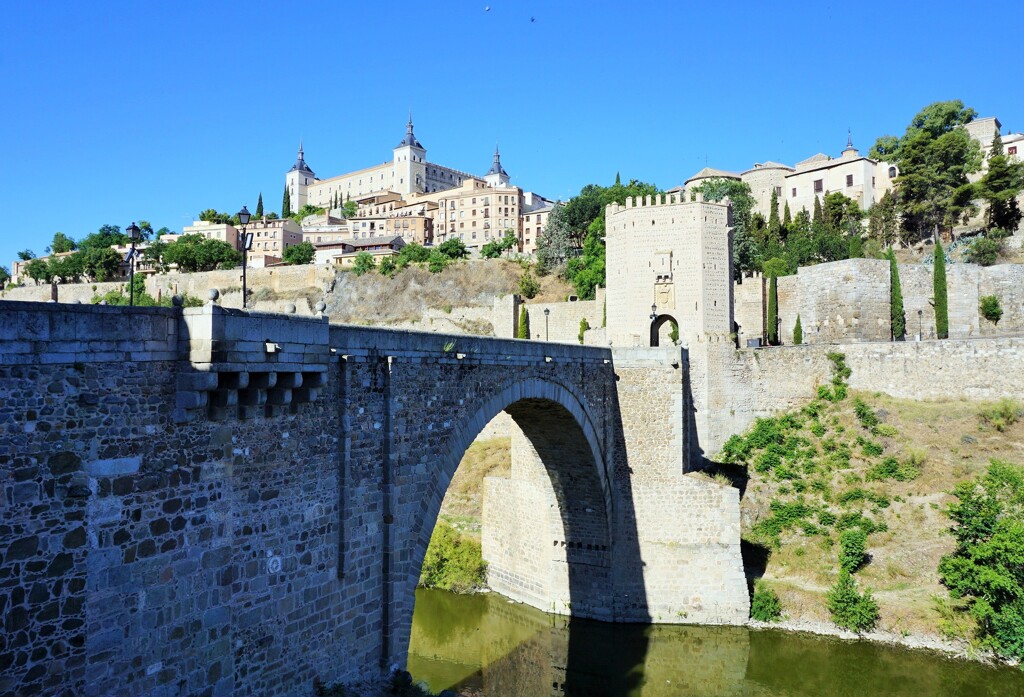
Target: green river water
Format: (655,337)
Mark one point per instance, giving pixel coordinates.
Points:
(488,645)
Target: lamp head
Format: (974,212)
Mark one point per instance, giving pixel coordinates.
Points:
(244,215)
(133,231)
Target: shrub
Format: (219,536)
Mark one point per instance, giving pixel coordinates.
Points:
(452,562)
(817,428)
(584,326)
(852,549)
(871,448)
(765,605)
(523,332)
(364,263)
(387,267)
(673,333)
(891,468)
(1002,414)
(528,285)
(735,450)
(865,414)
(985,251)
(798,332)
(990,309)
(849,607)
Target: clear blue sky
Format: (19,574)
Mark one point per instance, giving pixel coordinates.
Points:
(119,111)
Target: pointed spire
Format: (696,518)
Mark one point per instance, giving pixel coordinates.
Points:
(496,167)
(300,162)
(410,137)
(849,139)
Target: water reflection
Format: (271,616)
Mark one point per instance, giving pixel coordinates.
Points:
(509,650)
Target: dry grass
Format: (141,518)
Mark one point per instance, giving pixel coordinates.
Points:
(463,502)
(375,299)
(951,443)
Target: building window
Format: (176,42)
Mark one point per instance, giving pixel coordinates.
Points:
(818,185)
(1012,150)
(794,192)
(892,172)
(849,180)
(778,191)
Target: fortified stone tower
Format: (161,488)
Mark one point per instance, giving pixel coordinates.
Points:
(669,260)
(298,180)
(410,163)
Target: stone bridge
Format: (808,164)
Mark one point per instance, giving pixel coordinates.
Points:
(204,501)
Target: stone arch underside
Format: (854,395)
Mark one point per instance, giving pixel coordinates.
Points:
(559,500)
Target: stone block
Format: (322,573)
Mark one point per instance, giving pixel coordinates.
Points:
(114,467)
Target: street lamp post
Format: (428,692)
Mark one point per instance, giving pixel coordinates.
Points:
(920,330)
(133,232)
(547,311)
(243,218)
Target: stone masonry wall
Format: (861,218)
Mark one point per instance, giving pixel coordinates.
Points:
(847,301)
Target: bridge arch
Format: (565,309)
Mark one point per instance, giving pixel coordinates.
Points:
(561,433)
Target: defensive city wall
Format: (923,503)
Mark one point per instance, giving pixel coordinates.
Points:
(204,501)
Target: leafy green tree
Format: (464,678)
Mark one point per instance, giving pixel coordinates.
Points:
(26,255)
(453,562)
(305,211)
(100,263)
(856,247)
(985,251)
(934,157)
(5,276)
(387,267)
(453,249)
(840,212)
(555,243)
(38,270)
(745,251)
(523,332)
(897,318)
(941,301)
(349,209)
(61,243)
(153,254)
(773,311)
(145,229)
(493,250)
(286,204)
(673,332)
(987,567)
(104,238)
(852,549)
(364,263)
(197,253)
(297,254)
(884,221)
(437,262)
(259,206)
(777,267)
(212,215)
(798,332)
(1000,187)
(68,268)
(411,253)
(849,607)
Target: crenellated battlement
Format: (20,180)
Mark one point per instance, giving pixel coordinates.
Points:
(677,198)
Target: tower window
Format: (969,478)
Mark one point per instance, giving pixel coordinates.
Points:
(849,180)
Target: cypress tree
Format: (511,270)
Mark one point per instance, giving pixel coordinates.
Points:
(798,332)
(941,301)
(816,218)
(259,206)
(524,327)
(774,224)
(286,204)
(897,320)
(787,217)
(773,311)
(856,246)
(618,179)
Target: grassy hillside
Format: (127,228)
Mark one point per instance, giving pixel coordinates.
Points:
(463,503)
(868,462)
